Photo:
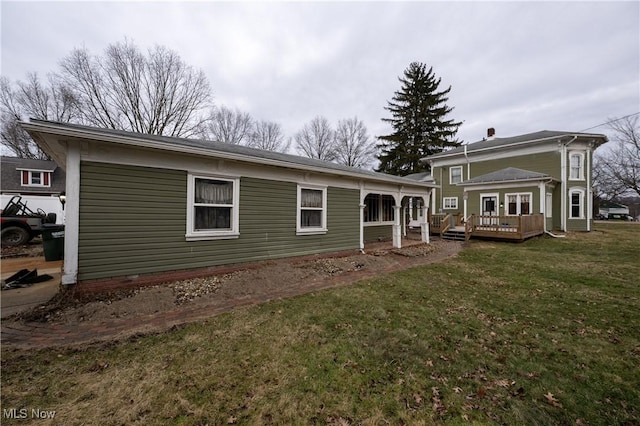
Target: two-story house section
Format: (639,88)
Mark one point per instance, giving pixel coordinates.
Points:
(497,180)
(38,182)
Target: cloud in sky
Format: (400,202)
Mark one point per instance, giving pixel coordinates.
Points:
(515,66)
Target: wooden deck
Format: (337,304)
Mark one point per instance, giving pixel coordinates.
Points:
(492,227)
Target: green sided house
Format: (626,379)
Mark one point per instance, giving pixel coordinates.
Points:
(515,187)
(141,204)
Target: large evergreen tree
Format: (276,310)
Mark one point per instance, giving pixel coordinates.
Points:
(419,123)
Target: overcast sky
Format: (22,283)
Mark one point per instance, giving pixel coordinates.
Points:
(516,66)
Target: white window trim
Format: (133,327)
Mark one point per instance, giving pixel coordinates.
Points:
(451,174)
(31,172)
(379,222)
(581,191)
(234,232)
(518,203)
(581,155)
(311,231)
(454,206)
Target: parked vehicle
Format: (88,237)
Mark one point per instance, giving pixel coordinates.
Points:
(20,225)
(618,216)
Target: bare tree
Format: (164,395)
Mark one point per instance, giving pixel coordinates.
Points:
(353,147)
(268,135)
(32,99)
(230,126)
(617,169)
(156,93)
(316,140)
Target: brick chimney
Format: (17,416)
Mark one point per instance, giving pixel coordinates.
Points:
(491,133)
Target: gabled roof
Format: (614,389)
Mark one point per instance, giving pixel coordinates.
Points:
(510,174)
(207,148)
(18,163)
(420,177)
(529,138)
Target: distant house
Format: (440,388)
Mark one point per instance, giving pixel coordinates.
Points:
(515,187)
(38,182)
(141,204)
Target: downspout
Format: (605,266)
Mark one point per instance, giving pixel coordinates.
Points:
(554,235)
(468,164)
(465,194)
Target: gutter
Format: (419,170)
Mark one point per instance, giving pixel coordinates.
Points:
(545,179)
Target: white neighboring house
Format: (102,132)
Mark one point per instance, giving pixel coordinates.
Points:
(38,182)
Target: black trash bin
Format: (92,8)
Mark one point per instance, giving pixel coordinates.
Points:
(53,241)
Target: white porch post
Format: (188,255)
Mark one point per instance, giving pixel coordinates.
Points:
(72,215)
(465,197)
(362,206)
(424,225)
(397,228)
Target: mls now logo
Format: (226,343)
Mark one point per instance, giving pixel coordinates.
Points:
(23,413)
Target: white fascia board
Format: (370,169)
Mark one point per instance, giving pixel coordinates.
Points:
(137,142)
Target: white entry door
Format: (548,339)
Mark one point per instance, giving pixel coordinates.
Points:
(489,206)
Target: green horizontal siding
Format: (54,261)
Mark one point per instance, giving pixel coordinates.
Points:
(547,162)
(473,202)
(377,233)
(133,221)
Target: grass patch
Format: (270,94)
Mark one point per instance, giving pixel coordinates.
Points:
(543,332)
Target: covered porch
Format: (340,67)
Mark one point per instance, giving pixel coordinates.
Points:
(397,219)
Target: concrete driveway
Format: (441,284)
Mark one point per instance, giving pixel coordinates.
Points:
(21,299)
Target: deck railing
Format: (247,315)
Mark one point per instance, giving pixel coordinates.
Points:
(439,223)
(446,224)
(507,227)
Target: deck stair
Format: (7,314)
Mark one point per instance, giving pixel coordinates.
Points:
(455,234)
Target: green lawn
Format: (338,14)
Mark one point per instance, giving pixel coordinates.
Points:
(543,332)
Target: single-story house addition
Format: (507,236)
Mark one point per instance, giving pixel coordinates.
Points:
(144,204)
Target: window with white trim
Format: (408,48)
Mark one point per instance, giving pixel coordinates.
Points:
(35,178)
(576,169)
(576,203)
(312,210)
(378,208)
(518,204)
(455,175)
(213,207)
(450,203)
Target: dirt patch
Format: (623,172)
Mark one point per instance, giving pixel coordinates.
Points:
(272,279)
(32,249)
